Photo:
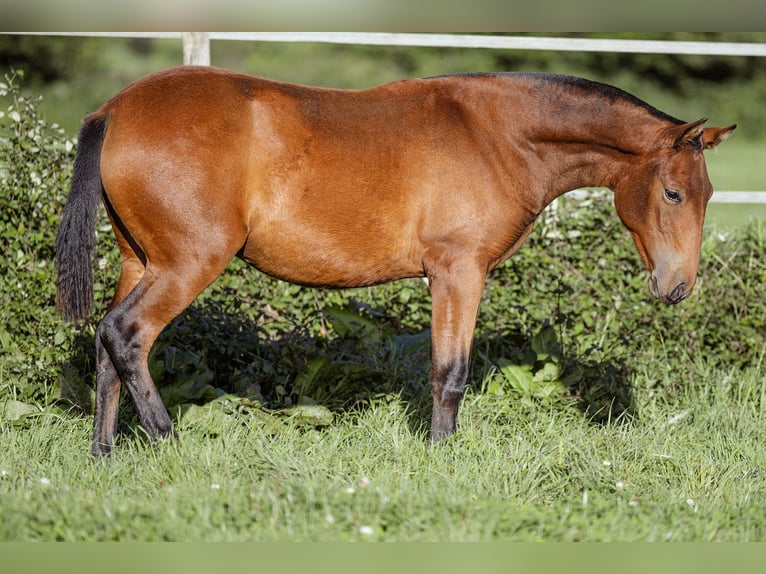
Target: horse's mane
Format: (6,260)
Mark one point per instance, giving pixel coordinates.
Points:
(610,93)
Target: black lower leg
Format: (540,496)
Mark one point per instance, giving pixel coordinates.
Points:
(447,387)
(123,341)
(107,400)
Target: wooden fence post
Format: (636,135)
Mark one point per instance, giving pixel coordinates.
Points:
(196,48)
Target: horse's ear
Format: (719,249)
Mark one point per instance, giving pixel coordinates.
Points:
(687,134)
(711,137)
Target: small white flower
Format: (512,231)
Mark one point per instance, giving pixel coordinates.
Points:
(607,463)
(4,473)
(692,504)
(15,116)
(675,418)
(350,490)
(330,519)
(365,531)
(619,485)
(364,482)
(215,486)
(45,481)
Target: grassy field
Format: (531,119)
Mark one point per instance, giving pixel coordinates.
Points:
(732,168)
(724,216)
(687,468)
(733,165)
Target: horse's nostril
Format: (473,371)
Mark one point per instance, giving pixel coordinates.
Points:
(677,294)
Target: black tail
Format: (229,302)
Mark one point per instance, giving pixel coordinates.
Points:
(76,237)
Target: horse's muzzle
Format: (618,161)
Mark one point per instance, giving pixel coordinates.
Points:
(675,296)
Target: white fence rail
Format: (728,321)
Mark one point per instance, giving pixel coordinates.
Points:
(753,49)
(721,196)
(197,51)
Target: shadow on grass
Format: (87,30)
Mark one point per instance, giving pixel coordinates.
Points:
(208,352)
(535,370)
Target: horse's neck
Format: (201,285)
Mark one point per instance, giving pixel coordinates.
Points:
(575,149)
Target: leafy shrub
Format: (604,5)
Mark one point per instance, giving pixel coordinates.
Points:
(569,317)
(580,272)
(35,166)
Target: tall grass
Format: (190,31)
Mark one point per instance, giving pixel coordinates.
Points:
(683,468)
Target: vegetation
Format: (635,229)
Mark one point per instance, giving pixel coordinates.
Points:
(687,468)
(594,412)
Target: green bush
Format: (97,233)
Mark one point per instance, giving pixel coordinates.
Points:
(35,166)
(581,267)
(580,272)
(568,318)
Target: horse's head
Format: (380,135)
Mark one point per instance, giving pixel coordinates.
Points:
(662,202)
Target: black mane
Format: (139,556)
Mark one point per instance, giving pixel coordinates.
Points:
(611,93)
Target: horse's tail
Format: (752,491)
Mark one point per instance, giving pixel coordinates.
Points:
(76,237)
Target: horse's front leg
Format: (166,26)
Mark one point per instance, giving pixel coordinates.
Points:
(456,287)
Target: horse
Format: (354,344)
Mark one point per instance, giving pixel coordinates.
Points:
(438,177)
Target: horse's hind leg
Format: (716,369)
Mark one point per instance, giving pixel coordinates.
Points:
(107,403)
(127,334)
(122,354)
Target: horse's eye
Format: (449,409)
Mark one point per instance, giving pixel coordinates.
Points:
(672,196)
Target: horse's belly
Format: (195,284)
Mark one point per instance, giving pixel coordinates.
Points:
(327,258)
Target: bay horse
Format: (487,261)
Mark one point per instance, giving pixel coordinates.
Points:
(439,177)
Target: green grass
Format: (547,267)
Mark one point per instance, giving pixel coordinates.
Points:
(733,166)
(683,468)
(723,216)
